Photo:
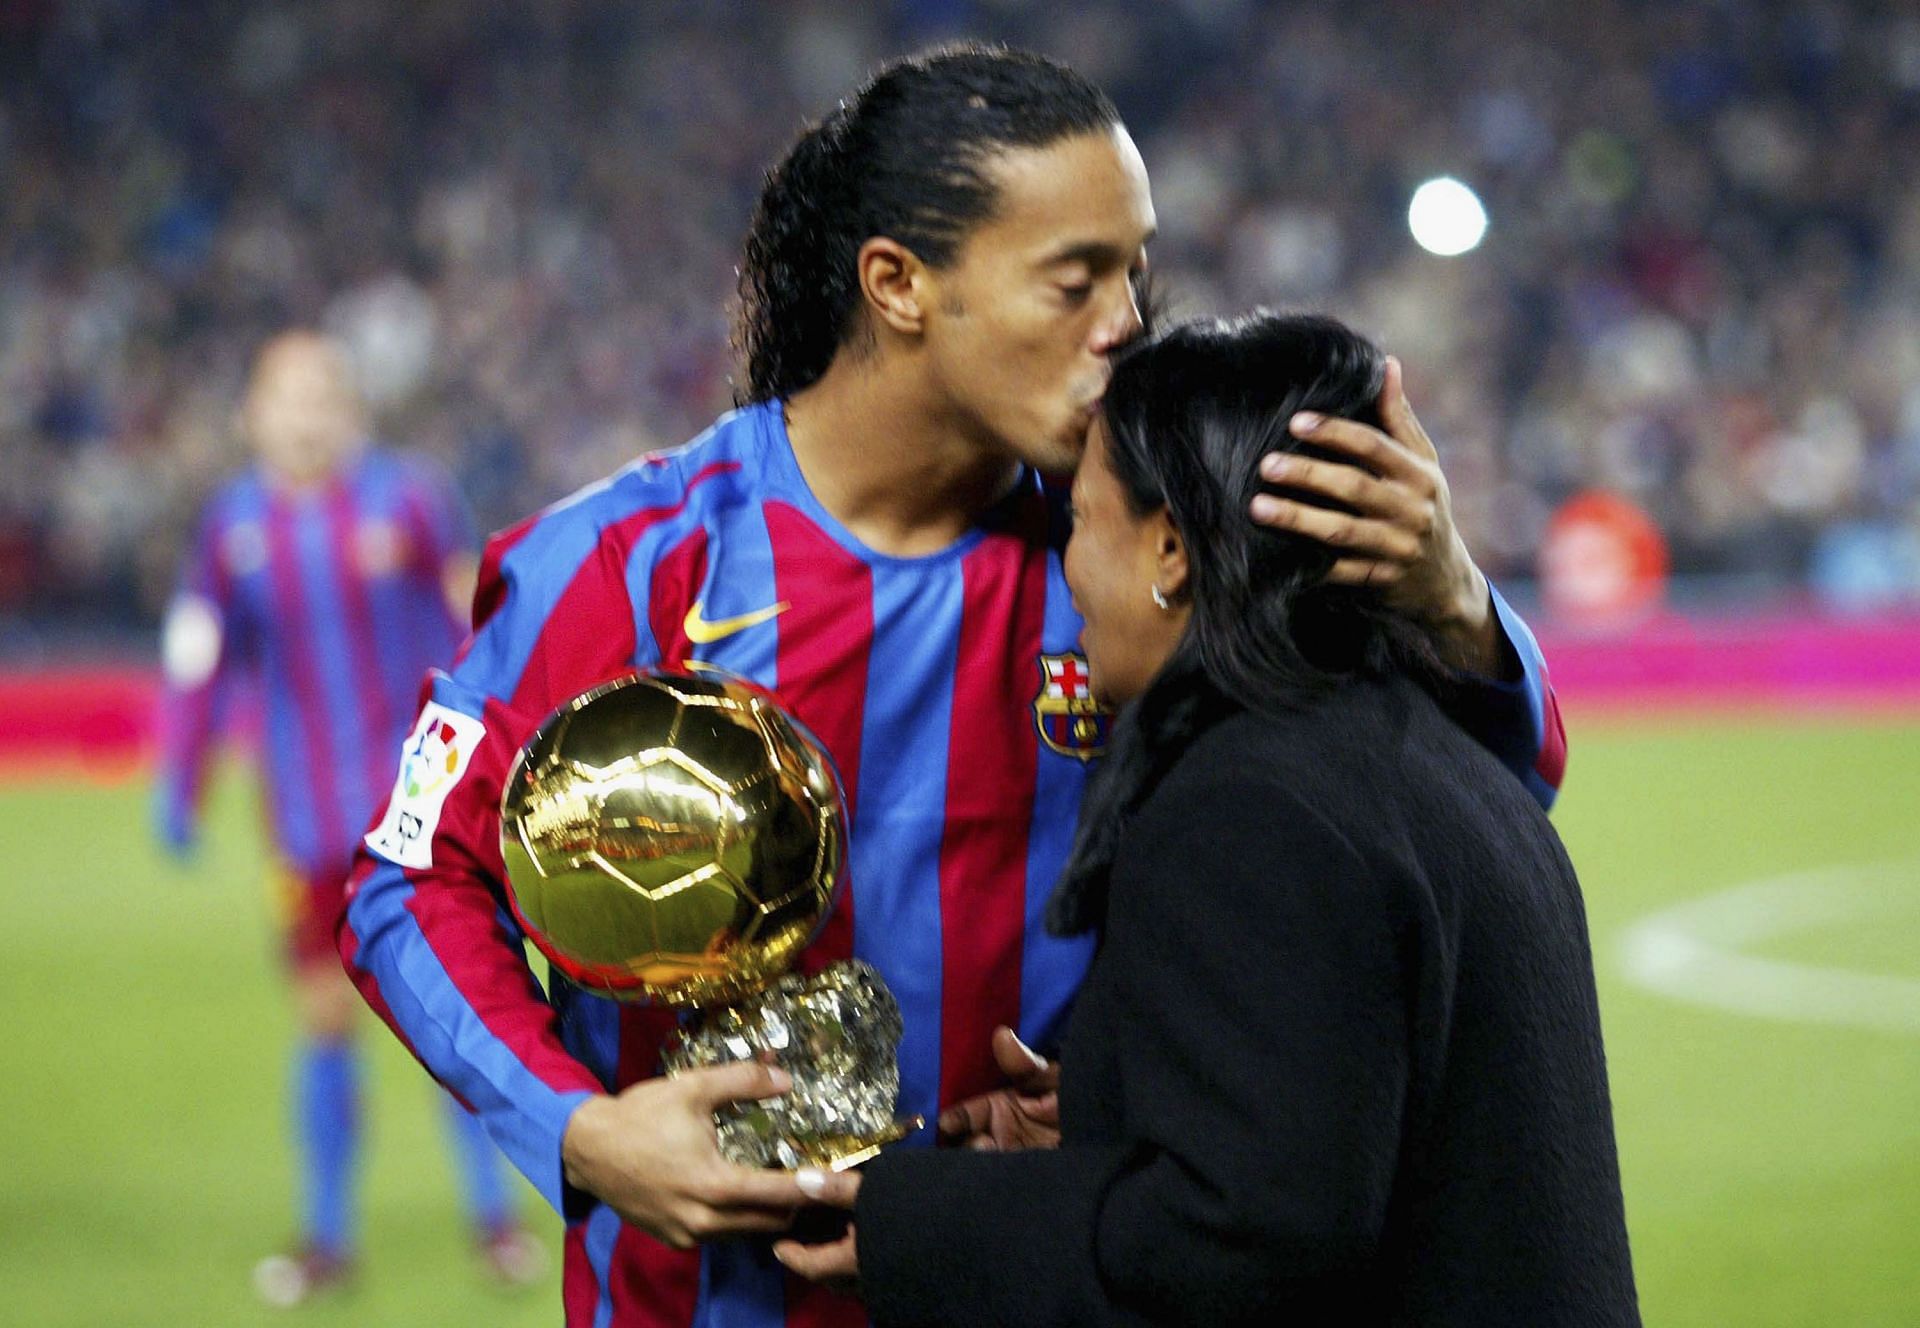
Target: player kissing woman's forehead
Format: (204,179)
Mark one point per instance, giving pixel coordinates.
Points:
(978,229)
(932,288)
(935,282)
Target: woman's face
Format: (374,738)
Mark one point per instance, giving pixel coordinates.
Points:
(1113,562)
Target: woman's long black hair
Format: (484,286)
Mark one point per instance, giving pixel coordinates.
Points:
(905,158)
(1188,414)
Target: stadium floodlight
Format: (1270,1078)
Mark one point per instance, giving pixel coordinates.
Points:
(1446,217)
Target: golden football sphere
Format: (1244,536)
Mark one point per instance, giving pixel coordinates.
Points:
(674,836)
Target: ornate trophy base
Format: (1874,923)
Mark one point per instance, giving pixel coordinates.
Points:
(843,1152)
(838,1034)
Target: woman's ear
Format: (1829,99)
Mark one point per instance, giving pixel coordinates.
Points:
(1170,555)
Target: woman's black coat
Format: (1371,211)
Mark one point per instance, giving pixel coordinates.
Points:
(1338,1061)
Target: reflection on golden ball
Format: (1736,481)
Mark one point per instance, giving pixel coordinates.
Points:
(674,836)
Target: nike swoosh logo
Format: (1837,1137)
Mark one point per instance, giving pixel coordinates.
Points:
(702,631)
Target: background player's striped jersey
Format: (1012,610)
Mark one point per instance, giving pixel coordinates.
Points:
(951,694)
(333,597)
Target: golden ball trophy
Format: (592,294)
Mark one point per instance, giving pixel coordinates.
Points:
(679,838)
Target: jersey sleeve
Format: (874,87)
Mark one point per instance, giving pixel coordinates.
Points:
(199,654)
(427,934)
(1519,720)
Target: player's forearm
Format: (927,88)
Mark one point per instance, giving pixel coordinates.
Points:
(476,1023)
(1469,634)
(188,728)
(1513,712)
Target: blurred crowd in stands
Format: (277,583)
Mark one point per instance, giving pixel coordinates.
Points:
(1700,289)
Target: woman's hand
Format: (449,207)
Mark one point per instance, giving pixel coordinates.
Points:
(1398,533)
(835,1264)
(1025,1114)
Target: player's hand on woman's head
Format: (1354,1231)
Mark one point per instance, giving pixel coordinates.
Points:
(652,1155)
(1392,525)
(1025,1114)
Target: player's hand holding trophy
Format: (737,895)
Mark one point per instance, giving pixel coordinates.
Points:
(678,838)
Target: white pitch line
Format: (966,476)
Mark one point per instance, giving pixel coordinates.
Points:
(1692,951)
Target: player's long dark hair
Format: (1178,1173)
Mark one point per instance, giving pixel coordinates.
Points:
(1189,414)
(904,159)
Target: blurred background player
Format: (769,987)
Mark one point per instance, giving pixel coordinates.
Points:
(332,575)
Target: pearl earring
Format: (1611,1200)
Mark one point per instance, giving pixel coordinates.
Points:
(1160,597)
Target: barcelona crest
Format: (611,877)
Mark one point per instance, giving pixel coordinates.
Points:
(1070,721)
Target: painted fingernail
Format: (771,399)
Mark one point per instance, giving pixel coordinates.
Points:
(1306,422)
(1032,1055)
(1265,508)
(1276,467)
(812,1182)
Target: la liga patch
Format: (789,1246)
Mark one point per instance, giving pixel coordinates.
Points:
(434,757)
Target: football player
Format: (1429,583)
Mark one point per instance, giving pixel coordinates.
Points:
(329,572)
(934,280)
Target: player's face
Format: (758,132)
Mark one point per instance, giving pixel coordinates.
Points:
(302,415)
(1112,565)
(1042,292)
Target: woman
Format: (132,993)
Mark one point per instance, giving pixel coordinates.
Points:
(1339,1058)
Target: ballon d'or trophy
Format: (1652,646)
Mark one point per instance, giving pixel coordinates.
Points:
(678,838)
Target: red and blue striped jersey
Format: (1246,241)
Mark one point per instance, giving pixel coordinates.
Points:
(949,691)
(333,599)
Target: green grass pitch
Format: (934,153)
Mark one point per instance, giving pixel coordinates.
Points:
(1772,1166)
